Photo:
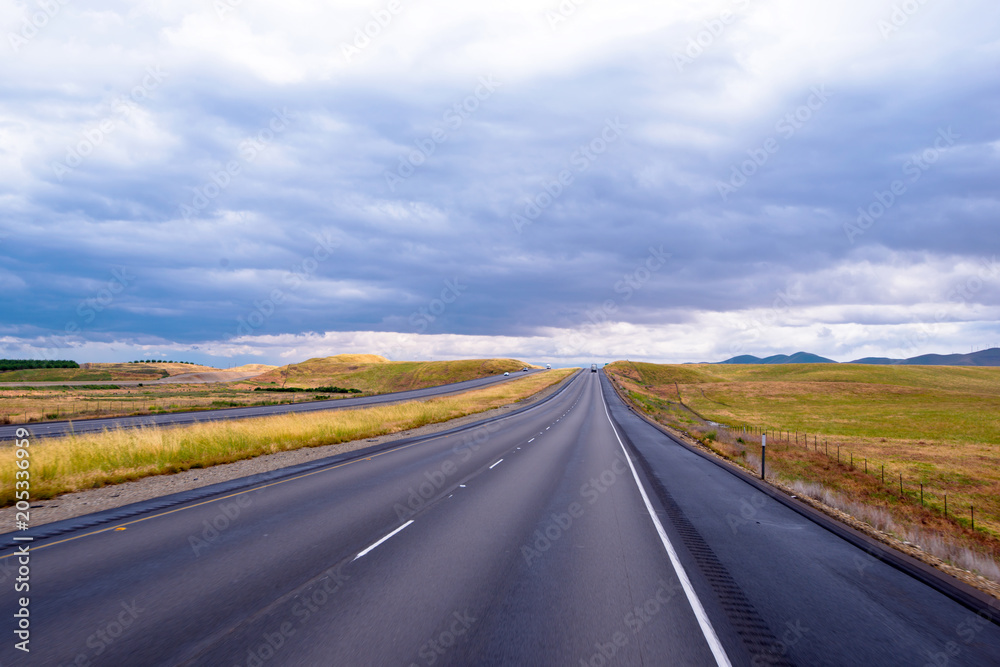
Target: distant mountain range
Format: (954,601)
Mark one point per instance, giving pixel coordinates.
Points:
(797,358)
(990,357)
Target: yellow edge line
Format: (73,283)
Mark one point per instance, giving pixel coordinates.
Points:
(215,500)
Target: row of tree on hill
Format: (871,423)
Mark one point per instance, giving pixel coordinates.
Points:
(27,364)
(161,361)
(328,390)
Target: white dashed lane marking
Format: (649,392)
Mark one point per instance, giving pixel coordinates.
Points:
(366,551)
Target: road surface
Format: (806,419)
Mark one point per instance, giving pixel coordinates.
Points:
(538,538)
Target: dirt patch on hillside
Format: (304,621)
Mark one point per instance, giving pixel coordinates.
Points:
(213,376)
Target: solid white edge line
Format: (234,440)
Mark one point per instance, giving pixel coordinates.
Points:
(365,552)
(699,611)
(495,464)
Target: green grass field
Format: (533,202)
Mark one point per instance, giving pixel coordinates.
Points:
(93,372)
(59,375)
(939,403)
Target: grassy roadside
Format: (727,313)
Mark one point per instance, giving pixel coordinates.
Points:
(87,461)
(965,466)
(368,373)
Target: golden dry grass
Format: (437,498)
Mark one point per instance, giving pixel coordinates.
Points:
(93,460)
(20,405)
(171,368)
(249,368)
(107,372)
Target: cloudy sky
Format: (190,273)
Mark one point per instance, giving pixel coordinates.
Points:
(248,181)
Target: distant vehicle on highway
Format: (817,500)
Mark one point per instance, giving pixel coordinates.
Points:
(548,367)
(524,369)
(593,368)
(506,374)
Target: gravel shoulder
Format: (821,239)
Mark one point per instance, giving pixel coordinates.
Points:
(79,503)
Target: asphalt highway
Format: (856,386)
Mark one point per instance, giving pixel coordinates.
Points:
(569,533)
(58,428)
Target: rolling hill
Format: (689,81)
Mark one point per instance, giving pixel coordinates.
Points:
(377,375)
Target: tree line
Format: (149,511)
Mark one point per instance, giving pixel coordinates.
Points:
(160,361)
(27,364)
